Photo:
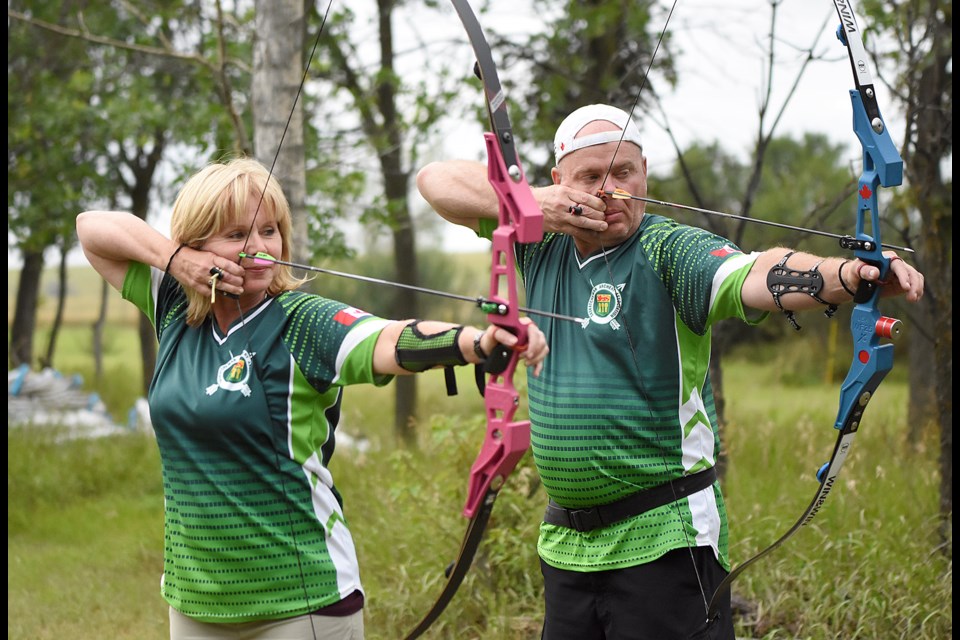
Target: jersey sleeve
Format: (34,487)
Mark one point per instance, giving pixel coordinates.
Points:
(486,227)
(139,288)
(332,342)
(158,295)
(702,272)
(726,298)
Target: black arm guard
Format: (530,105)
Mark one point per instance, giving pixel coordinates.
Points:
(782,280)
(417,351)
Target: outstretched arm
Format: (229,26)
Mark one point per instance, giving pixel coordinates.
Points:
(840,277)
(387,359)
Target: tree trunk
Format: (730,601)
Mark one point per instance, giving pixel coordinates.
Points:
(406,306)
(98,327)
(47,360)
(396,182)
(922,408)
(928,145)
(25,311)
(143,166)
(277,74)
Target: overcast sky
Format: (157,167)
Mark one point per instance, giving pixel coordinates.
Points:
(721,73)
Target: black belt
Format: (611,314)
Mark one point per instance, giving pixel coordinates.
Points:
(633,505)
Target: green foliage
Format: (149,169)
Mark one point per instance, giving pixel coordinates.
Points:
(49,156)
(868,566)
(588,52)
(821,353)
(408,531)
(48,473)
(805,183)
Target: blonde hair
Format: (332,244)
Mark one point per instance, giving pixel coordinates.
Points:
(218,196)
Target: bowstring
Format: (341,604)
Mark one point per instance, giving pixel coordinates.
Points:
(633,350)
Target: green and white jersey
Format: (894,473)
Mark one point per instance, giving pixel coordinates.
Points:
(245,421)
(624,401)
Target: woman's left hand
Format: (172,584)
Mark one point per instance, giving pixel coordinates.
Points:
(533,353)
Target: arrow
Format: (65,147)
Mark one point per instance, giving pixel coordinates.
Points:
(847,242)
(485,304)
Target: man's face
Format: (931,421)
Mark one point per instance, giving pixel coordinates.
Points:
(586,168)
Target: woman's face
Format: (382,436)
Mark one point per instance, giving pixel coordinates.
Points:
(255,232)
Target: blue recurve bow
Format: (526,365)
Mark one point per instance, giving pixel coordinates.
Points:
(872,361)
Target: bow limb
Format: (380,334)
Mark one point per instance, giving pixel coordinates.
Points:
(519,220)
(882,166)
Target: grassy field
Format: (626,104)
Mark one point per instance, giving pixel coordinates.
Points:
(85,540)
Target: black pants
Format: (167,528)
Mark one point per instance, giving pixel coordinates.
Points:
(659,600)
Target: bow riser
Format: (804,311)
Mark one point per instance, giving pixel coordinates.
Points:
(882,165)
(519,220)
(505,444)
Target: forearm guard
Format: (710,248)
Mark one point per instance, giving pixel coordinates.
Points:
(782,280)
(417,351)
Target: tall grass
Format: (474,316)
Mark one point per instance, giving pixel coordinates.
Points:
(85,539)
(85,525)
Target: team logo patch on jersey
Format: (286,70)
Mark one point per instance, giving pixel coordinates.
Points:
(604,304)
(234,374)
(349,315)
(724,251)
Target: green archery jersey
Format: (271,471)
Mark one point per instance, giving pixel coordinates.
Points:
(253,526)
(624,400)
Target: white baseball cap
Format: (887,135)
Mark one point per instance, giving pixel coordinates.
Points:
(566,140)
